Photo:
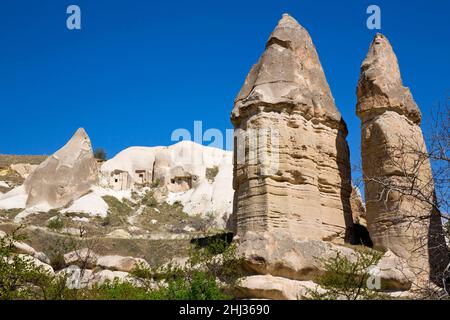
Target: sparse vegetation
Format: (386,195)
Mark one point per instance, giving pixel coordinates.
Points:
(211,173)
(10,213)
(198,278)
(118,212)
(149,200)
(55,224)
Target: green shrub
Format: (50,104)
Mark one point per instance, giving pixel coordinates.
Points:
(347,279)
(118,212)
(211,173)
(55,224)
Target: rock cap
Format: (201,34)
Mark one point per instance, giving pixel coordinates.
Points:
(288,74)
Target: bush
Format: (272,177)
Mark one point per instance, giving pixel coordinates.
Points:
(20,278)
(100,154)
(118,212)
(209,274)
(56,224)
(149,200)
(155,183)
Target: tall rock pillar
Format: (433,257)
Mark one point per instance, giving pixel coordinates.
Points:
(295,179)
(399,187)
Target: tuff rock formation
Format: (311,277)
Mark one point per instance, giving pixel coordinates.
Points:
(199,177)
(65,176)
(360,232)
(395,167)
(297,179)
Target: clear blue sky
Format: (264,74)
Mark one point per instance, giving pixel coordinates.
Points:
(140,69)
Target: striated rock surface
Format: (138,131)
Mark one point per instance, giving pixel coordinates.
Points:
(297,179)
(65,176)
(397,173)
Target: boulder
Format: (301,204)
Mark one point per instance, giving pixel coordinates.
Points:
(394,273)
(42,257)
(84,257)
(24,169)
(77,278)
(24,248)
(38,263)
(177,173)
(104,276)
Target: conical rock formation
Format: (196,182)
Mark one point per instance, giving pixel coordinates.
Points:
(65,176)
(296,178)
(399,186)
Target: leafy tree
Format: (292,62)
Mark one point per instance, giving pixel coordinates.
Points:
(100,154)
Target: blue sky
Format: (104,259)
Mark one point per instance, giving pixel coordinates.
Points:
(140,69)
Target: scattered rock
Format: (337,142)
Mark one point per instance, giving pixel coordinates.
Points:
(65,176)
(42,257)
(176,174)
(189,229)
(77,278)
